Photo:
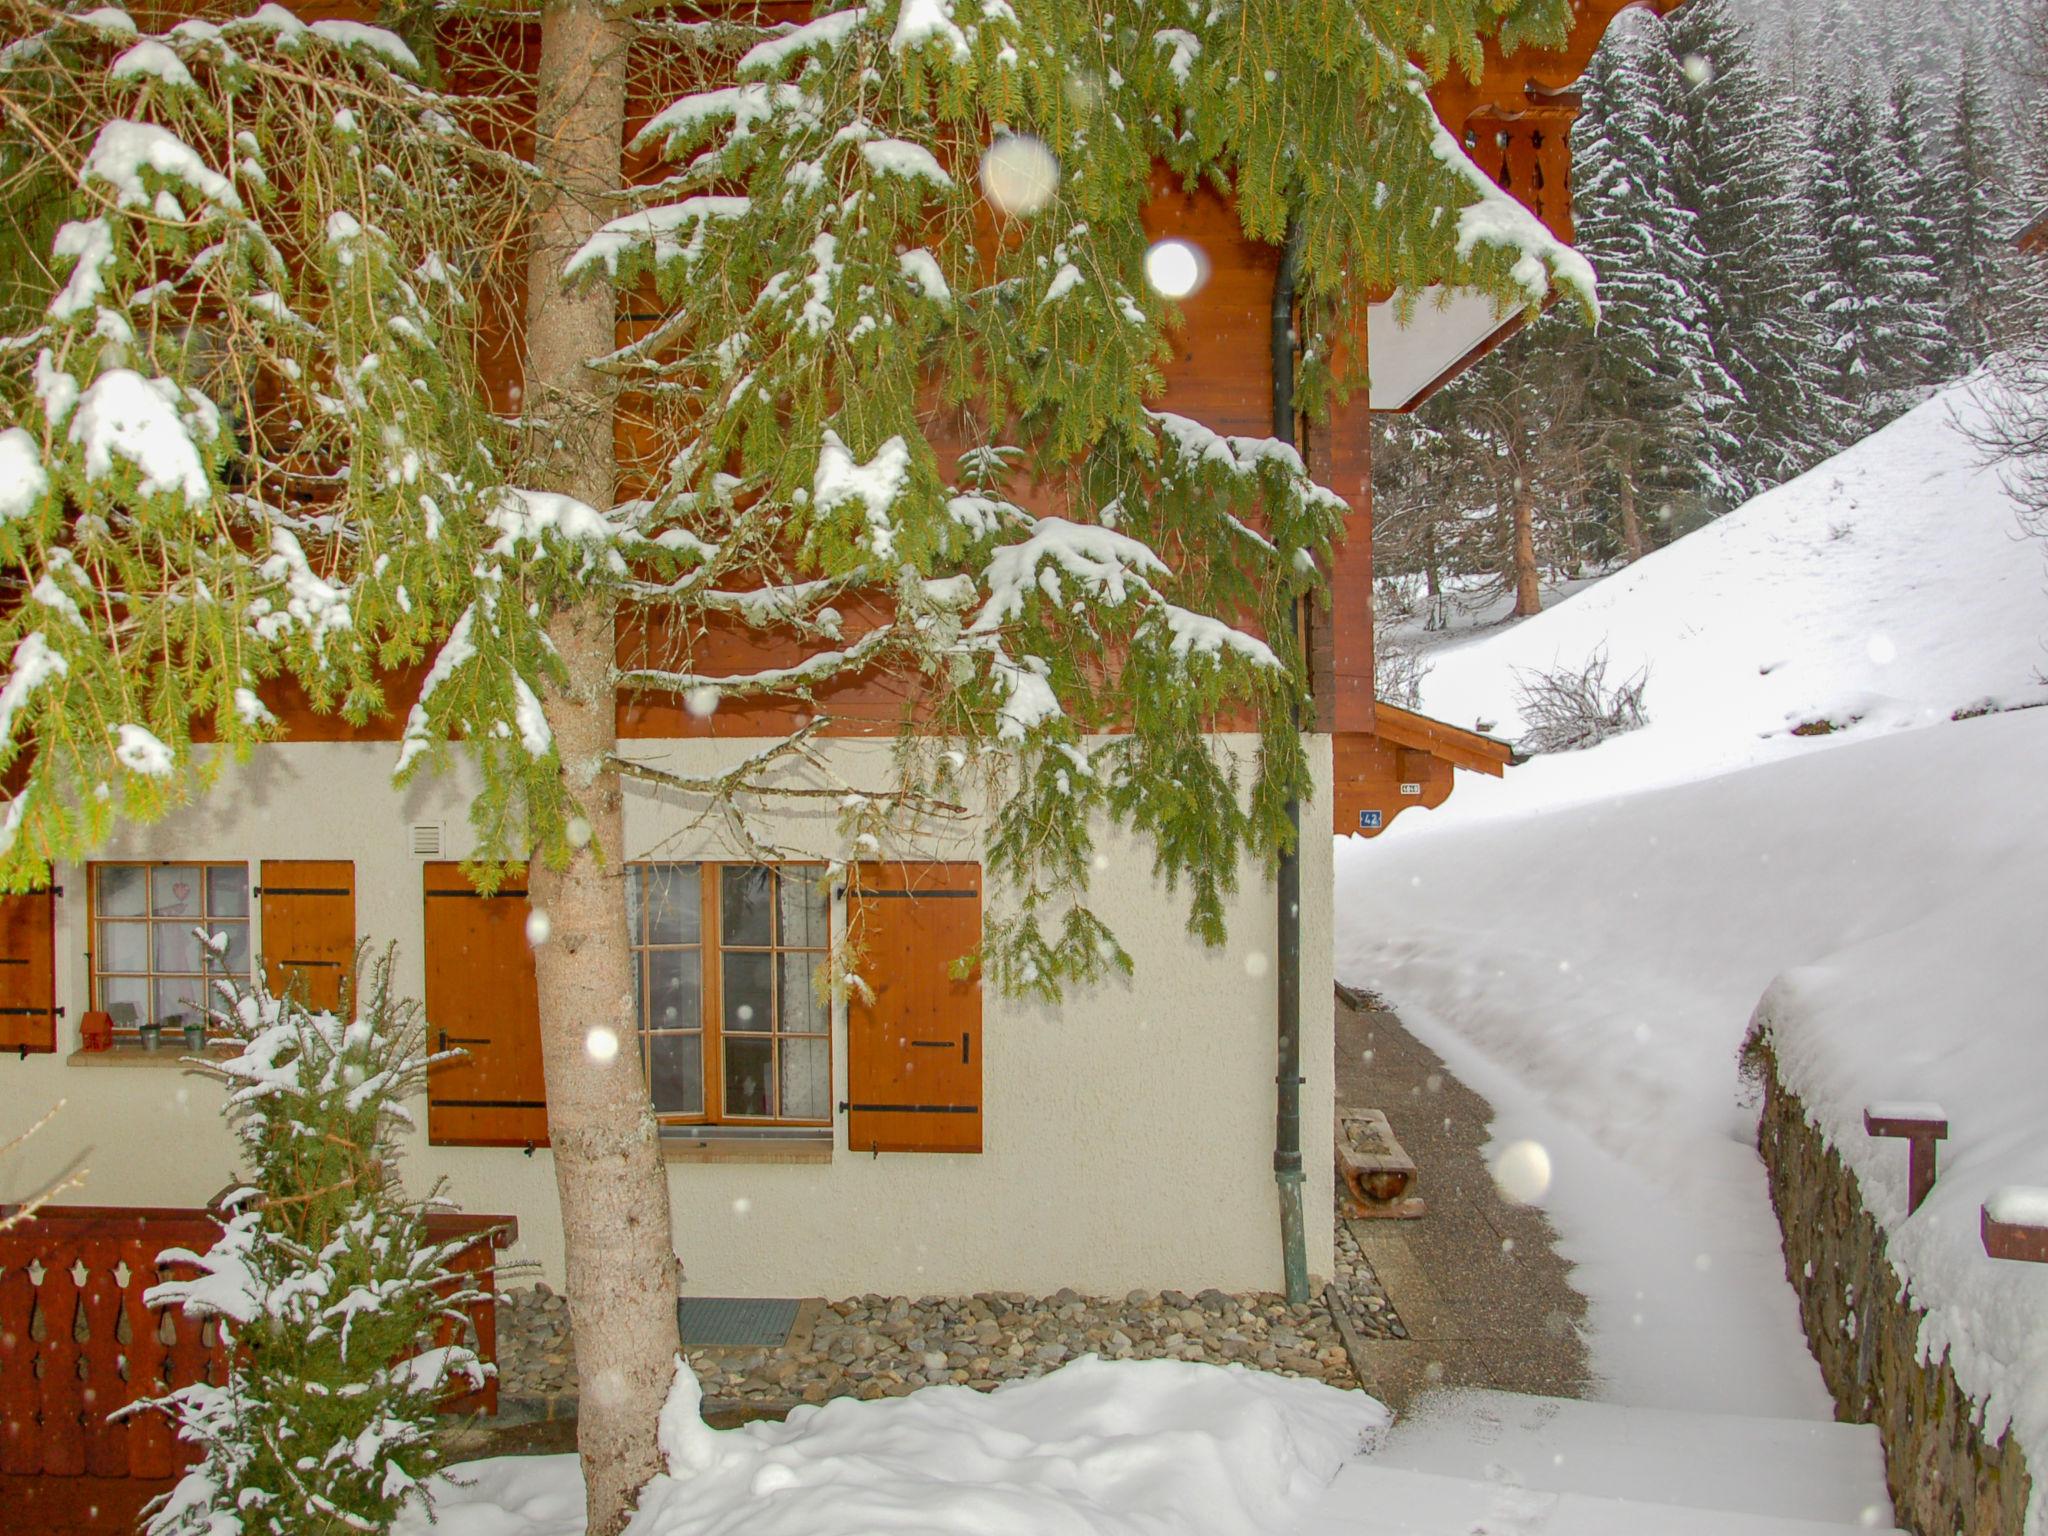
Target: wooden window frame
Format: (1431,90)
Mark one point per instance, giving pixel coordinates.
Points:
(148,921)
(711,949)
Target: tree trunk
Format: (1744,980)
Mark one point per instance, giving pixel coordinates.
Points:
(1528,592)
(620,1257)
(1631,524)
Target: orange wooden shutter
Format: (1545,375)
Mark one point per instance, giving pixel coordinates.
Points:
(913,1055)
(28,972)
(309,927)
(482,999)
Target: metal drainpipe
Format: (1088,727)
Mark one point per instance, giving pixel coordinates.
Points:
(1287,1171)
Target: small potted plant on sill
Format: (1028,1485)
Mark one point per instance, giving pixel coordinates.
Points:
(195,1033)
(151,1035)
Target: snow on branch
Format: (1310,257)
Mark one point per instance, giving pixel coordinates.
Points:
(655,230)
(812,670)
(1496,218)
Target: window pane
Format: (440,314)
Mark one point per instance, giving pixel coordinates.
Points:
(180,999)
(123,946)
(749,890)
(672,896)
(749,992)
(806,1079)
(122,889)
(174,891)
(227,891)
(675,1073)
(674,983)
(234,961)
(803,1011)
(176,946)
(126,1000)
(746,1074)
(806,908)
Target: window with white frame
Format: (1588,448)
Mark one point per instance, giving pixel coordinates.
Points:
(149,965)
(726,959)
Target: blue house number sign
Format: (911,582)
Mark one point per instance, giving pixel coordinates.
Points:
(1368,821)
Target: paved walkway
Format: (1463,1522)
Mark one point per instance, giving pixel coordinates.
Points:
(1476,1282)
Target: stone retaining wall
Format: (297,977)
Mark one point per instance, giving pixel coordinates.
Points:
(1945,1478)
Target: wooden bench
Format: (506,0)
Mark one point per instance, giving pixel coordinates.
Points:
(1373,1170)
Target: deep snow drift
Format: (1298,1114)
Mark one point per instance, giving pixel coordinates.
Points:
(1097,1448)
(1586,942)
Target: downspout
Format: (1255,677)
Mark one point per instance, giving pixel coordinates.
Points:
(1287,1171)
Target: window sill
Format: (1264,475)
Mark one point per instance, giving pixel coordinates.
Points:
(131,1055)
(719,1144)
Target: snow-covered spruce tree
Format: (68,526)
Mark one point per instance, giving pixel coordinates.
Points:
(1878,298)
(245,436)
(1974,214)
(1653,380)
(323,1280)
(1917,192)
(1738,176)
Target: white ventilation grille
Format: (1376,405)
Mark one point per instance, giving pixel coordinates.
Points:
(426,840)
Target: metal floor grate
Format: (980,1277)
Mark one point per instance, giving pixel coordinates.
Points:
(734,1322)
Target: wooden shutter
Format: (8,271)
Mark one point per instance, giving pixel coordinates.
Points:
(309,927)
(482,999)
(913,1055)
(28,972)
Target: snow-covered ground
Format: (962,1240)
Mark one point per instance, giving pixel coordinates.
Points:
(1887,588)
(1098,1448)
(1586,942)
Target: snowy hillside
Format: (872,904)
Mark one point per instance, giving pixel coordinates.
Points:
(1586,943)
(1889,587)
(1592,970)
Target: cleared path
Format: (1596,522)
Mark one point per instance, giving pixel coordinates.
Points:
(1476,1282)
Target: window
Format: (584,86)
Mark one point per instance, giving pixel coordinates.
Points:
(732,1030)
(148,965)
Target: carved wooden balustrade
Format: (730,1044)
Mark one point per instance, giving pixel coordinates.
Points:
(78,1343)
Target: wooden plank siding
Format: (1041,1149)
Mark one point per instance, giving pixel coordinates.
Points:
(1515,119)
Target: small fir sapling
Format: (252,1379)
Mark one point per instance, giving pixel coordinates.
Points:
(323,1281)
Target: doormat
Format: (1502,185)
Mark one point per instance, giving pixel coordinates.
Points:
(734,1322)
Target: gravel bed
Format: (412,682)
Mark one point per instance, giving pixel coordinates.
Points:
(885,1346)
(1357,1290)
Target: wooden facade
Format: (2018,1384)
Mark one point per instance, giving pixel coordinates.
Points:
(1514,120)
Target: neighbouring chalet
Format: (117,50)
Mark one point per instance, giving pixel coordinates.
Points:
(1122,1140)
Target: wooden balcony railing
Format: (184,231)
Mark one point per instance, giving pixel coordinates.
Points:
(78,1343)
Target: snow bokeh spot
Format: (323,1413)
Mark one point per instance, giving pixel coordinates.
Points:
(1019,175)
(1176,268)
(602,1043)
(539,926)
(1522,1172)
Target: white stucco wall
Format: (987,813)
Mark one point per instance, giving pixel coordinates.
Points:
(1128,1132)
